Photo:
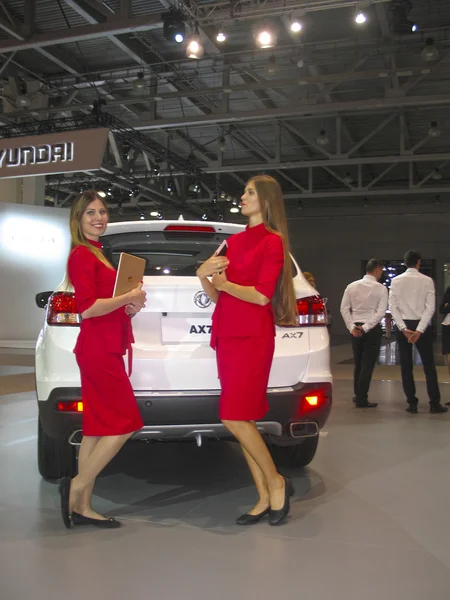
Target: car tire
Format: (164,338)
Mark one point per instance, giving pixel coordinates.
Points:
(56,458)
(298,455)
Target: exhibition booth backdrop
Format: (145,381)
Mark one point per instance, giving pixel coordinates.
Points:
(34,246)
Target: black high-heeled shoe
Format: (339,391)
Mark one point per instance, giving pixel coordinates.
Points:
(276,517)
(247,519)
(108,523)
(64,492)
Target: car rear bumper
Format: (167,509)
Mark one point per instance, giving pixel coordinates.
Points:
(181,415)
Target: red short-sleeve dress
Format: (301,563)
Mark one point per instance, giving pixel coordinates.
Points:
(243,334)
(109,404)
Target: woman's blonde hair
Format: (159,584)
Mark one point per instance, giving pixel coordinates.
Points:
(79,207)
(271,202)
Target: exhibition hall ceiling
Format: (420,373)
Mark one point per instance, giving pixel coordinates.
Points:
(342,101)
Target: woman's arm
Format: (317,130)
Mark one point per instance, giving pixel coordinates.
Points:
(209,289)
(104,306)
(242,292)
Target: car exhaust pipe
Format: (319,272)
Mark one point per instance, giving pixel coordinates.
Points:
(304,429)
(76,437)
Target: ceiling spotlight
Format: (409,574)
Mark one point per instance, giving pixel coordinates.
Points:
(221,36)
(430,53)
(174,27)
(436,175)
(154,213)
(222,144)
(101,193)
(139,83)
(110,190)
(170,185)
(400,24)
(265,38)
(196,187)
(23,100)
(234,209)
(204,217)
(296,26)
(159,216)
(322,138)
(434,131)
(156,169)
(142,217)
(360,18)
(194,48)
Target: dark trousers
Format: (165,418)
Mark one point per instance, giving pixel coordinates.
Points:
(366,350)
(425,348)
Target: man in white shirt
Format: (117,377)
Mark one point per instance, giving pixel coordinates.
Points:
(412,303)
(363,306)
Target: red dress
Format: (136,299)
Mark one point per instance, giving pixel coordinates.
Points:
(109,404)
(243,333)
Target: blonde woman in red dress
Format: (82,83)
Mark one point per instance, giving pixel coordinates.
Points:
(110,411)
(253,289)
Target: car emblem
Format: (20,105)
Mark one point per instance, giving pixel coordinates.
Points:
(202,300)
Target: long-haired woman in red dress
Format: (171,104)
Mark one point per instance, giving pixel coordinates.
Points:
(110,411)
(253,289)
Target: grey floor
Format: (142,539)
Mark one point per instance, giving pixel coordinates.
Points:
(367,522)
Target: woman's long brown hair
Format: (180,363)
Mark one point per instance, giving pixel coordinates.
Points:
(79,207)
(271,202)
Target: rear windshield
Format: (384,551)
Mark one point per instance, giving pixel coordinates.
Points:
(166,253)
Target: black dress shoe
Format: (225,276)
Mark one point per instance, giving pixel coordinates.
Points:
(438,408)
(276,517)
(367,405)
(247,519)
(108,523)
(412,409)
(64,492)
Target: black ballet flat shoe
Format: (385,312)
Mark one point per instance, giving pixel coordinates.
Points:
(108,523)
(276,517)
(64,492)
(436,408)
(252,519)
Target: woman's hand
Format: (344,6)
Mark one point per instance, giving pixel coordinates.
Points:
(213,265)
(219,280)
(131,309)
(137,297)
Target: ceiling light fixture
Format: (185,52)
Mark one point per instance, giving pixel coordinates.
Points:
(194,48)
(434,131)
(142,217)
(23,100)
(265,38)
(139,83)
(360,18)
(400,24)
(234,209)
(322,138)
(430,53)
(271,67)
(296,26)
(222,144)
(221,36)
(436,175)
(154,213)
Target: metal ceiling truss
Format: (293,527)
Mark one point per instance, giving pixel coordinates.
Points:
(206,13)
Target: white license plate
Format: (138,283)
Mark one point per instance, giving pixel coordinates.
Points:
(177,330)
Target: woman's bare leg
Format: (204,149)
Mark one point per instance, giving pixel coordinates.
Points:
(251,440)
(84,507)
(105,450)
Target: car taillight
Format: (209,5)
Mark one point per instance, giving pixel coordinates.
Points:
(312,311)
(191,228)
(62,309)
(314,398)
(69,406)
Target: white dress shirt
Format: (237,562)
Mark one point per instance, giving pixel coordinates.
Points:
(412,298)
(364,301)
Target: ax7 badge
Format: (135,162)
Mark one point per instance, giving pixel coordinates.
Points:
(295,335)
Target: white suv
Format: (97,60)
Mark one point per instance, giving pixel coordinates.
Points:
(174,370)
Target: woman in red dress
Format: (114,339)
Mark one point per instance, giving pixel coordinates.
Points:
(110,411)
(252,288)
